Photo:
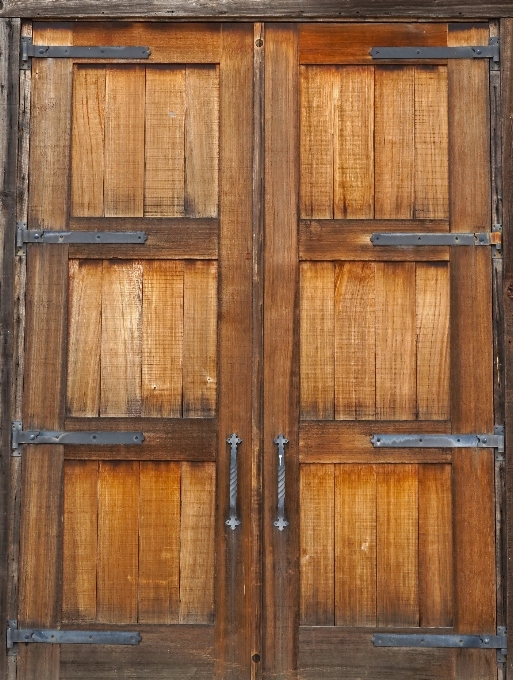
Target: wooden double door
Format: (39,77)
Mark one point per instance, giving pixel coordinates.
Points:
(258,160)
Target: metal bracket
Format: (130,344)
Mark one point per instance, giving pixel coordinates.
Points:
(489,238)
(498,641)
(70,637)
(490,51)
(435,441)
(20,436)
(42,236)
(29,50)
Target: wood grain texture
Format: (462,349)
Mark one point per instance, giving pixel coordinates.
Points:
(395,342)
(164,142)
(162,338)
(317,522)
(201,141)
(197,546)
(353,163)
(317,344)
(200,339)
(121,338)
(159,543)
(432,292)
(355,341)
(397,546)
(87,142)
(80,540)
(124,141)
(435,546)
(394,141)
(84,338)
(355,545)
(118,509)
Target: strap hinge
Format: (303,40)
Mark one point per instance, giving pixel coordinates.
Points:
(488,238)
(490,51)
(20,436)
(435,441)
(29,51)
(24,235)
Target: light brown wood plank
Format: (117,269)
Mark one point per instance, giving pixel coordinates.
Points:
(353,164)
(124,141)
(317,565)
(397,545)
(118,542)
(355,341)
(200,339)
(349,240)
(316,141)
(162,338)
(84,338)
(80,541)
(431,143)
(87,145)
(394,142)
(159,542)
(395,341)
(164,143)
(435,545)
(432,292)
(355,545)
(201,141)
(317,344)
(121,339)
(197,543)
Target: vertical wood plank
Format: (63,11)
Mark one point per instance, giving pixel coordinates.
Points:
(431,143)
(84,337)
(435,545)
(355,545)
(394,142)
(159,542)
(197,543)
(395,341)
(162,338)
(316,130)
(317,521)
(353,164)
(80,540)
(432,291)
(317,290)
(200,339)
(281,348)
(118,542)
(355,341)
(397,545)
(472,347)
(164,146)
(87,144)
(201,141)
(124,141)
(121,338)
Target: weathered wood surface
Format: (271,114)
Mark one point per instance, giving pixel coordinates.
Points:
(259,9)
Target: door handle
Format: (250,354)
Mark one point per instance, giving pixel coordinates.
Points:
(233,521)
(281,522)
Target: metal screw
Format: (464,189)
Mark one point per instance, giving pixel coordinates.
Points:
(32,437)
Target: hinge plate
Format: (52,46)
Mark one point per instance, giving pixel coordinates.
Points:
(490,51)
(428,640)
(20,436)
(489,238)
(42,236)
(435,441)
(29,51)
(70,637)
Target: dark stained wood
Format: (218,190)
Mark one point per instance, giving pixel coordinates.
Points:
(9,99)
(281,351)
(233,586)
(242,10)
(506,28)
(350,240)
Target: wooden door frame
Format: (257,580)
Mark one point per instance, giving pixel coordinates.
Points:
(13,195)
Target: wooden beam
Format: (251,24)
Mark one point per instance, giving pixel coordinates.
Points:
(289,10)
